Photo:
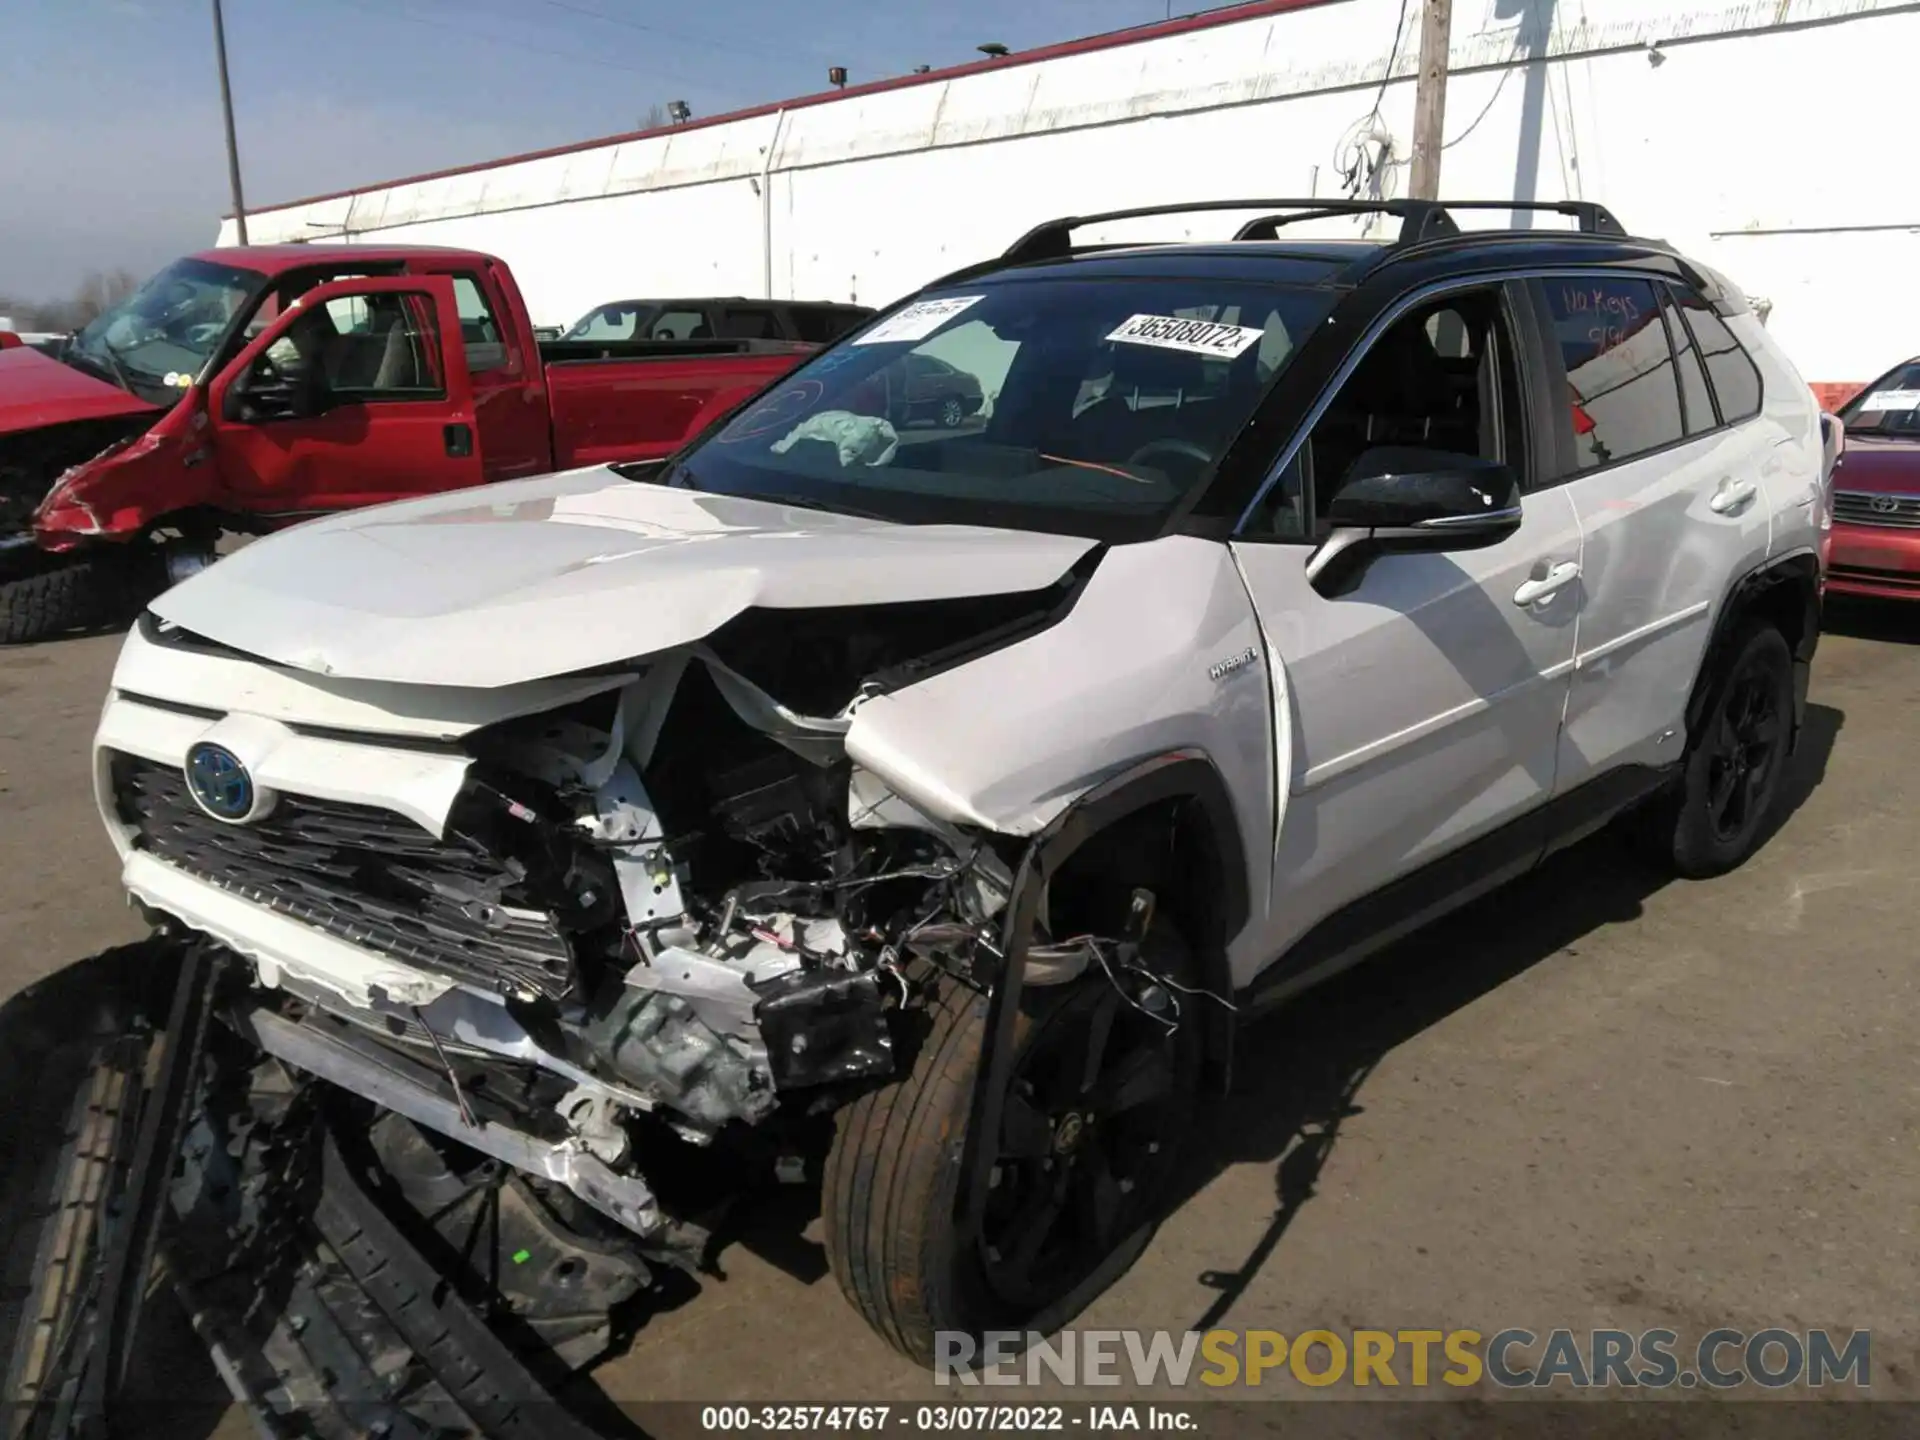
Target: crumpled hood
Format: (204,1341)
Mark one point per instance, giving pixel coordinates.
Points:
(37,390)
(536,578)
(1878,467)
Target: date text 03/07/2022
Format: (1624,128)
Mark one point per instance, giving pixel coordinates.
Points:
(961,1418)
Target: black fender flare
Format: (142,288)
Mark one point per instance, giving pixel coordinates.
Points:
(1188,775)
(1767,587)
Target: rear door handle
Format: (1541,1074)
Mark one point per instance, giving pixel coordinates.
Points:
(458,439)
(1541,586)
(1731,495)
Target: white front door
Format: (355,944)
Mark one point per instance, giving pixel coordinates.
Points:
(1420,710)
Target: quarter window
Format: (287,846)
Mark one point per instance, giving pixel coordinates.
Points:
(1735,380)
(1698,400)
(1622,390)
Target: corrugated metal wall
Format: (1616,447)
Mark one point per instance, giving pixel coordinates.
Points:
(1756,136)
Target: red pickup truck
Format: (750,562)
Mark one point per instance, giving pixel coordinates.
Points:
(246,388)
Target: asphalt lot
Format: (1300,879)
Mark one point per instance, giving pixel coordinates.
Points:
(1595,1099)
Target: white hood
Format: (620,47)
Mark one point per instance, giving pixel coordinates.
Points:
(521,581)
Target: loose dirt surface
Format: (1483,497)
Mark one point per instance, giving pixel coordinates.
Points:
(1596,1099)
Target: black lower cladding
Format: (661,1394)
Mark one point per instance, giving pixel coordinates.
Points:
(365,875)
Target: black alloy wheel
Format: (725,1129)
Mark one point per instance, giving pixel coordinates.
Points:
(1087,1139)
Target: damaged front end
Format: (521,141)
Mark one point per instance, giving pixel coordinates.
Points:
(672,908)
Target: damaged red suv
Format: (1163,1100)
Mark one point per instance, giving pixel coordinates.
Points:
(1876,491)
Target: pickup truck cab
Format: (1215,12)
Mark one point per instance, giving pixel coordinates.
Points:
(245,388)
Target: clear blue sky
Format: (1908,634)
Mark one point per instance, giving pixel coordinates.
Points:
(110,145)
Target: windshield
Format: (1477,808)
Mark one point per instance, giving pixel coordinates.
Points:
(1087,407)
(156,341)
(1889,406)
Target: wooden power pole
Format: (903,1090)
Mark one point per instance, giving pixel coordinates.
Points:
(1430,97)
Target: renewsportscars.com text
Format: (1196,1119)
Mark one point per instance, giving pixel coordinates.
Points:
(1721,1359)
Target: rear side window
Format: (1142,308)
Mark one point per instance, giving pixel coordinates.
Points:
(749,322)
(819,324)
(1620,372)
(1694,395)
(1736,381)
(479,331)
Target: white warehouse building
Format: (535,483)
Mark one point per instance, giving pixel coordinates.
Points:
(1753,134)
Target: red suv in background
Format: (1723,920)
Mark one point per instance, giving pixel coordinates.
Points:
(1876,491)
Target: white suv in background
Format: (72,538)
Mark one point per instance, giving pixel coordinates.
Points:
(970,784)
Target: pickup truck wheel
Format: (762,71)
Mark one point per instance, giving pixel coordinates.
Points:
(60,594)
(51,601)
(1733,771)
(1100,1098)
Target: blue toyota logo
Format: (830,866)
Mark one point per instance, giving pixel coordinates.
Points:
(219,782)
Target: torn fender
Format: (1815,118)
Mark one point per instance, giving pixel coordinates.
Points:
(127,487)
(1007,741)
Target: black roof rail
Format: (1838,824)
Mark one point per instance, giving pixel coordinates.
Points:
(1420,220)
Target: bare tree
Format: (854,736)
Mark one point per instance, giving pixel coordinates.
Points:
(100,292)
(655,117)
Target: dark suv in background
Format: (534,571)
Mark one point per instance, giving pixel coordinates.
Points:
(723,318)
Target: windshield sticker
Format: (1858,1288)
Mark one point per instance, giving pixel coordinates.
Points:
(917,321)
(1892,400)
(1196,337)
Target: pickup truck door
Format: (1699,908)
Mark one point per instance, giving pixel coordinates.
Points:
(357,394)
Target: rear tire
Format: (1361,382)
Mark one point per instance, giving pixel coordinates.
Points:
(1097,1169)
(1732,776)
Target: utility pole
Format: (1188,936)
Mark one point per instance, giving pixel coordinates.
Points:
(1430,97)
(226,109)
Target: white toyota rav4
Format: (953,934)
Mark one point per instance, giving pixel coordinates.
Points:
(970,784)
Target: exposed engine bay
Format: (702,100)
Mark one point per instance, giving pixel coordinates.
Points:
(674,902)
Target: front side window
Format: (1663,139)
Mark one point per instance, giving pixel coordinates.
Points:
(680,325)
(625,320)
(1441,378)
(1623,393)
(1736,382)
(354,349)
(156,342)
(1086,406)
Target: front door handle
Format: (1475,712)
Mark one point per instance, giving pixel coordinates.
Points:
(1731,495)
(1541,586)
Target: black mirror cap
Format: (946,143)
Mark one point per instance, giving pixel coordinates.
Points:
(1409,488)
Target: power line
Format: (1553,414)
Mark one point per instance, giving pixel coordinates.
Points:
(1393,57)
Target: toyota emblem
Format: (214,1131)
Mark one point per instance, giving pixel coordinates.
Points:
(1884,504)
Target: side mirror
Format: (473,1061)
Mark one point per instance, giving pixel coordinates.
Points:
(1408,500)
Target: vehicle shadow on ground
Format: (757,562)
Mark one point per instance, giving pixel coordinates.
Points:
(1299,1074)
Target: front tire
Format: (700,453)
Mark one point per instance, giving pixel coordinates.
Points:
(1732,777)
(953,413)
(1101,1096)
